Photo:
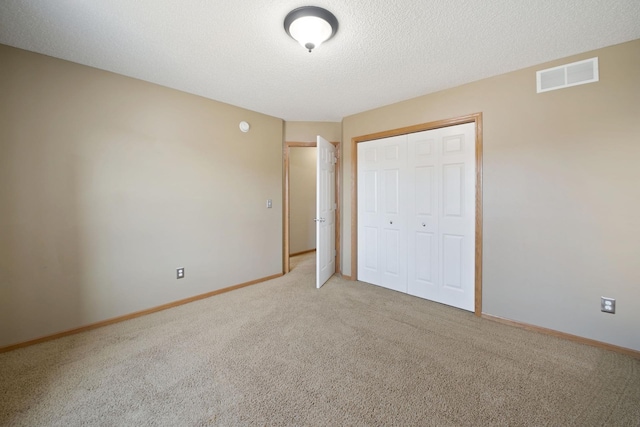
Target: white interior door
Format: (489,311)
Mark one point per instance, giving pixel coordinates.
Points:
(325,212)
(441,209)
(416,214)
(382,234)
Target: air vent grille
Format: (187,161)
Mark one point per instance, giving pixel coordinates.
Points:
(576,73)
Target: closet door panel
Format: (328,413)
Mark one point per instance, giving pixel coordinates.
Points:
(368,233)
(422,207)
(456,233)
(382,218)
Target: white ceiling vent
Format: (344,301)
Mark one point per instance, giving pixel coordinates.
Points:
(576,73)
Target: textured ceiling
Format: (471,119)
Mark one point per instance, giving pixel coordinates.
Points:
(385,50)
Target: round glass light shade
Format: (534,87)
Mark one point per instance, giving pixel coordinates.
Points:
(310,26)
(310,31)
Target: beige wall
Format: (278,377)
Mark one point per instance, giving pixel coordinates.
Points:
(302,196)
(108,184)
(307,131)
(561,192)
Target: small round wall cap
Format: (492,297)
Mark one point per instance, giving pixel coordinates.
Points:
(244,126)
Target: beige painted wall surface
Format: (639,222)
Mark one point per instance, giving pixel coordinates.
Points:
(302,194)
(307,131)
(561,198)
(108,184)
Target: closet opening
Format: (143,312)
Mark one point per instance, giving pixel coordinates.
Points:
(417,210)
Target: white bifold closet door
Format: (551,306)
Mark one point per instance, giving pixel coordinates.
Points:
(416,214)
(382,225)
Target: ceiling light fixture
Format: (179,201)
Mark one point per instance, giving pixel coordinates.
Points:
(310,26)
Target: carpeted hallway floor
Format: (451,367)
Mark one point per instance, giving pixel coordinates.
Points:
(284,353)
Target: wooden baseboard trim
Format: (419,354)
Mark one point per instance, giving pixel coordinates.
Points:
(563,335)
(344,276)
(303,252)
(133,315)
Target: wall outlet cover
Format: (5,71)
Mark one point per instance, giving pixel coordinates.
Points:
(608,305)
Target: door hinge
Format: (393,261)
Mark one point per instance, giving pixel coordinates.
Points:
(335,206)
(335,160)
(335,253)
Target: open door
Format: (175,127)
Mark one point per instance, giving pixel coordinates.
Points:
(325,211)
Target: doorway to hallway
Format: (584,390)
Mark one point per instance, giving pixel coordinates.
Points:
(287,244)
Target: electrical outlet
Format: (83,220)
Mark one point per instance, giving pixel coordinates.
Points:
(608,305)
(269,203)
(180,273)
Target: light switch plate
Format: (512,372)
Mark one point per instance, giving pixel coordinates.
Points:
(269,203)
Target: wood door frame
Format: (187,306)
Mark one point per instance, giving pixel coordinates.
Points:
(471,118)
(286,267)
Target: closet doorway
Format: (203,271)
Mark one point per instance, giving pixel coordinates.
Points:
(417,215)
